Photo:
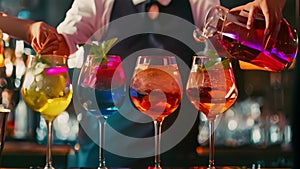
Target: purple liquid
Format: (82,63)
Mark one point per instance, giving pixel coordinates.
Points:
(56,70)
(271,52)
(247,45)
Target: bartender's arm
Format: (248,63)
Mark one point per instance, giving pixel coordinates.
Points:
(45,39)
(42,37)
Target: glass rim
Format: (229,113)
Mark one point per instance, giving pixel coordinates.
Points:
(156,56)
(201,56)
(211,57)
(53,58)
(107,55)
(48,55)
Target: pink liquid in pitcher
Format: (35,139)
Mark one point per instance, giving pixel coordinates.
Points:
(273,52)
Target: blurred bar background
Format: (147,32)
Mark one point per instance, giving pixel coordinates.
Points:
(259,129)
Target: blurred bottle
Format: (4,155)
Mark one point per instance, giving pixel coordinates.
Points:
(65,129)
(19,62)
(254,48)
(276,120)
(1,49)
(21,120)
(5,94)
(23,116)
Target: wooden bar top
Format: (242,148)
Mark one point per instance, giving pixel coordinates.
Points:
(32,148)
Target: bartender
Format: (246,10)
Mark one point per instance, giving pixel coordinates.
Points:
(87,20)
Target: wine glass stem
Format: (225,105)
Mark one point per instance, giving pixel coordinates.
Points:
(102,124)
(49,145)
(157,136)
(211,164)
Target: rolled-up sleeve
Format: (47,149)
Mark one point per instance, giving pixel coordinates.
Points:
(85,21)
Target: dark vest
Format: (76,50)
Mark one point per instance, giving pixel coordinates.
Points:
(164,34)
(139,35)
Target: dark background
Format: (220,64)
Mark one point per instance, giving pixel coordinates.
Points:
(53,12)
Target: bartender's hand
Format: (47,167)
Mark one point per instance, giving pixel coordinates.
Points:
(271,9)
(46,40)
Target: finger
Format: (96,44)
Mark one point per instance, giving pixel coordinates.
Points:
(44,35)
(38,35)
(47,45)
(274,26)
(35,45)
(51,43)
(50,31)
(36,49)
(239,8)
(268,19)
(38,41)
(49,50)
(251,17)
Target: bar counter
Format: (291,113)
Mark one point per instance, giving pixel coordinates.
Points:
(22,154)
(32,148)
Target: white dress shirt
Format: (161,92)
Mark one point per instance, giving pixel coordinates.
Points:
(85,17)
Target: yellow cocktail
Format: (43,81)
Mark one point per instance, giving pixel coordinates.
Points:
(47,89)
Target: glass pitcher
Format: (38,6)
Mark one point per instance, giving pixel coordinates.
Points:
(253,48)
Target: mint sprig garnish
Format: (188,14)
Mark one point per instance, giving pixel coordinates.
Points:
(101,51)
(209,65)
(39,59)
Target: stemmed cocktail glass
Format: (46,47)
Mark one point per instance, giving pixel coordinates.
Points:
(47,89)
(156,90)
(211,89)
(101,90)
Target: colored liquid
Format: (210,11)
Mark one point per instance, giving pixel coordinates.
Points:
(155,92)
(104,76)
(207,104)
(270,53)
(105,103)
(215,94)
(49,93)
(102,90)
(247,45)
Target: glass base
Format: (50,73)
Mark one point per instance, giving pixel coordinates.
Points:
(102,168)
(151,167)
(49,167)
